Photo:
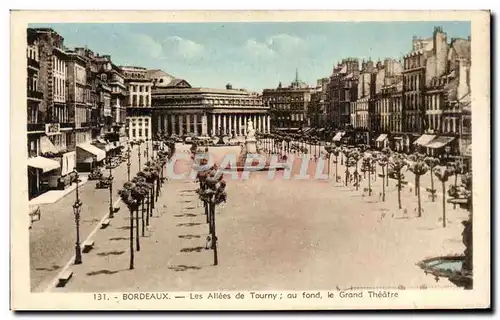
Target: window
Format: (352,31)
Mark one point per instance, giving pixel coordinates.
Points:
(140,132)
(133,133)
(146,132)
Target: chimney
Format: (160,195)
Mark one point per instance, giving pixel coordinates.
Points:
(441,51)
(463,86)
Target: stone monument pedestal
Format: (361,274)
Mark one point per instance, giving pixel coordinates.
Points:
(249,151)
(251,146)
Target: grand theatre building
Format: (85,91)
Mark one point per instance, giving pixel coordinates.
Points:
(180,109)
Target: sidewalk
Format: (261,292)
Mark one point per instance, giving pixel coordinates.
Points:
(53,196)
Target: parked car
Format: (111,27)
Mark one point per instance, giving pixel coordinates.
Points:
(95,175)
(103,183)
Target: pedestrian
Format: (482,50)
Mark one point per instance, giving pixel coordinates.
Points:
(315,158)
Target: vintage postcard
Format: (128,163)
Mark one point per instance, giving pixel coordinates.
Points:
(266,160)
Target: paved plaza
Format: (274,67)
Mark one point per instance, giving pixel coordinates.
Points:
(286,234)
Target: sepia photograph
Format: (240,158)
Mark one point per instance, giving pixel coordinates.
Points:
(250,160)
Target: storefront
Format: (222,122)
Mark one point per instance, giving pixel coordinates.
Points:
(382,141)
(397,143)
(422,142)
(89,157)
(442,147)
(38,170)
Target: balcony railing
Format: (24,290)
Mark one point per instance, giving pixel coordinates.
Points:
(35,94)
(35,127)
(33,63)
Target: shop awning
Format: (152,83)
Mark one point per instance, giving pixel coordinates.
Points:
(305,130)
(43,163)
(338,136)
(99,140)
(93,150)
(424,139)
(46,145)
(381,137)
(439,142)
(321,129)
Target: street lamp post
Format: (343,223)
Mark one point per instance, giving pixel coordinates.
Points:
(77,208)
(139,154)
(110,179)
(128,163)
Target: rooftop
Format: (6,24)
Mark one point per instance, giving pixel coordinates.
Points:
(173,90)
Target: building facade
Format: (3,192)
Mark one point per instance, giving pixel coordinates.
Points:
(288,106)
(78,96)
(182,110)
(342,91)
(139,103)
(317,109)
(59,124)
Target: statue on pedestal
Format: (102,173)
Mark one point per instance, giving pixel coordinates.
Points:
(250,129)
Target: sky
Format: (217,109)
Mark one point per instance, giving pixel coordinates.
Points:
(253,56)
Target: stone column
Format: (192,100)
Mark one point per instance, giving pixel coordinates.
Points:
(172,123)
(213,124)
(245,120)
(219,124)
(230,124)
(188,123)
(242,124)
(234,125)
(260,123)
(268,123)
(165,124)
(204,124)
(195,124)
(181,124)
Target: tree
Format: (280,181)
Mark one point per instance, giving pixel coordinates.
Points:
(213,194)
(458,168)
(397,164)
(418,168)
(443,174)
(128,196)
(415,158)
(387,152)
(348,164)
(432,163)
(383,162)
(336,153)
(367,166)
(355,156)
